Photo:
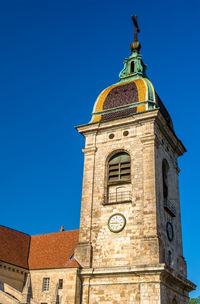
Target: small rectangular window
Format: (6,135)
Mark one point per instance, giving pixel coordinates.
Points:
(60,284)
(46,282)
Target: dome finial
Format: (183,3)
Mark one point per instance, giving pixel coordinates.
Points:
(135,45)
(134,67)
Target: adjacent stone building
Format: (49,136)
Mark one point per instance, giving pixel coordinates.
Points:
(129,245)
(39,268)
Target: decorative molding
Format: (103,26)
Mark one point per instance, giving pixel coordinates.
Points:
(90,150)
(149,140)
(125,107)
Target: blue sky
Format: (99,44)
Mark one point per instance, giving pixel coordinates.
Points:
(55,58)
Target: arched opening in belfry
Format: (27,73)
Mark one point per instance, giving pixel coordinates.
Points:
(165,170)
(119,177)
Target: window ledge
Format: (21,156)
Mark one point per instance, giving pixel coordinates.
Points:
(116,203)
(119,182)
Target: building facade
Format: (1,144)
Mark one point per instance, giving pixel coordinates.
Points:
(129,245)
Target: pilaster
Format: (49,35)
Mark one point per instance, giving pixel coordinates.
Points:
(83,250)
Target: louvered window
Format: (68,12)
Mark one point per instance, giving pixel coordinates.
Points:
(119,168)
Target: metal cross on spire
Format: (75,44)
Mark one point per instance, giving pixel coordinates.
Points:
(136,27)
(135,45)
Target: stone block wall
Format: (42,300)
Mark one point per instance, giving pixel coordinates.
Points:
(167,150)
(121,288)
(138,242)
(144,239)
(69,294)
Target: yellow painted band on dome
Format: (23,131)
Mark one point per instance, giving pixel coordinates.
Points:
(142,90)
(96,118)
(142,94)
(100,101)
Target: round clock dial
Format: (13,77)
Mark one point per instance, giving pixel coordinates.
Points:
(116,222)
(170,231)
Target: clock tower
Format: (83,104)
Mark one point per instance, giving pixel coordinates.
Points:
(130,239)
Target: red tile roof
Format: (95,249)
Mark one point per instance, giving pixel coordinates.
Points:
(14,247)
(52,250)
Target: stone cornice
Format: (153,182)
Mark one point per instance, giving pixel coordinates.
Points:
(170,135)
(171,275)
(90,150)
(152,115)
(148,140)
(159,269)
(121,270)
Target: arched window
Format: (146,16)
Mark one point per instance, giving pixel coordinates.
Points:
(119,168)
(165,169)
(119,186)
(174,301)
(132,67)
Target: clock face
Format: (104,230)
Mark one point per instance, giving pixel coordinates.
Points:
(170,231)
(116,222)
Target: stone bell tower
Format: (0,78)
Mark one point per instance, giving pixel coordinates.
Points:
(130,242)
